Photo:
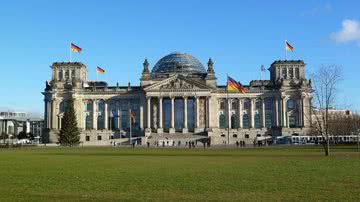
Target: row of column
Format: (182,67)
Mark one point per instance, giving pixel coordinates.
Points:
(172,117)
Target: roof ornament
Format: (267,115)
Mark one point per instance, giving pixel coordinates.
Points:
(146,66)
(210,66)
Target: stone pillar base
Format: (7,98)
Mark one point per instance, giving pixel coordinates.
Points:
(198,130)
(160,130)
(171,130)
(147,131)
(185,130)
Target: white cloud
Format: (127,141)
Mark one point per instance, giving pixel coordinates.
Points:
(350,32)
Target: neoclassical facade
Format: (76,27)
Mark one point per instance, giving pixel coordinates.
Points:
(179,101)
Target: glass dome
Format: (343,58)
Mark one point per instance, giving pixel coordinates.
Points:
(178,63)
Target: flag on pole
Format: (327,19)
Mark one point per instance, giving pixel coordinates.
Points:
(75,48)
(100,70)
(262,68)
(234,86)
(132,116)
(289,47)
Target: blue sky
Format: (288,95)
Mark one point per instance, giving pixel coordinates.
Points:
(239,36)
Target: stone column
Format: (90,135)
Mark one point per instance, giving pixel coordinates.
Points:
(160,129)
(229,113)
(185,129)
(106,118)
(263,113)
(240,112)
(252,113)
(148,112)
(48,114)
(284,118)
(197,121)
(53,114)
(276,113)
(94,115)
(141,115)
(172,127)
(208,115)
(301,112)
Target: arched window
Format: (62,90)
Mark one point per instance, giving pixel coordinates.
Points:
(67,74)
(291,104)
(292,121)
(258,104)
(62,106)
(234,121)
(257,120)
(88,122)
(100,123)
(101,106)
(88,106)
(60,75)
(268,112)
(246,121)
(222,122)
(246,104)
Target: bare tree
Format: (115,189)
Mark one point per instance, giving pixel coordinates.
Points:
(325,81)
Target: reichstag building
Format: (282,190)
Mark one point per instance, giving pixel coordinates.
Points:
(179,101)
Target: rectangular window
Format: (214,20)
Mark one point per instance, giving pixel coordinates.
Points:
(99,137)
(246,136)
(222,105)
(297,73)
(284,73)
(87,138)
(291,73)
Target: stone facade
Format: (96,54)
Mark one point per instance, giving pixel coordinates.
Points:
(179,101)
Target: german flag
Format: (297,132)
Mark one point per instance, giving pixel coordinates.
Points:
(100,70)
(132,116)
(75,48)
(289,47)
(234,86)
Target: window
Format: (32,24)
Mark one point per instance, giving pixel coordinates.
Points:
(67,74)
(291,104)
(101,106)
(222,105)
(235,135)
(257,120)
(247,104)
(222,121)
(60,75)
(246,121)
(88,106)
(258,104)
(297,73)
(73,73)
(100,122)
(284,73)
(88,122)
(247,136)
(291,73)
(233,105)
(87,138)
(292,121)
(99,137)
(268,112)
(234,121)
(62,106)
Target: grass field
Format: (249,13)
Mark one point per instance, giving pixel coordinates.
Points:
(141,174)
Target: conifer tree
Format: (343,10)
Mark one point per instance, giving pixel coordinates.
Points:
(69,133)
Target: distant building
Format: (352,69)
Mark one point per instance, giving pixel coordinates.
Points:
(180,101)
(12,123)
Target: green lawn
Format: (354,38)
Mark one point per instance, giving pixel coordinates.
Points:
(141,174)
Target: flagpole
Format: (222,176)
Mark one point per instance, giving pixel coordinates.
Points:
(285,50)
(228,108)
(70,51)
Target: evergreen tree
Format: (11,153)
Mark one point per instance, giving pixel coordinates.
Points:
(69,133)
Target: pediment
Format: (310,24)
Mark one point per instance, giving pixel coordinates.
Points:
(177,83)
